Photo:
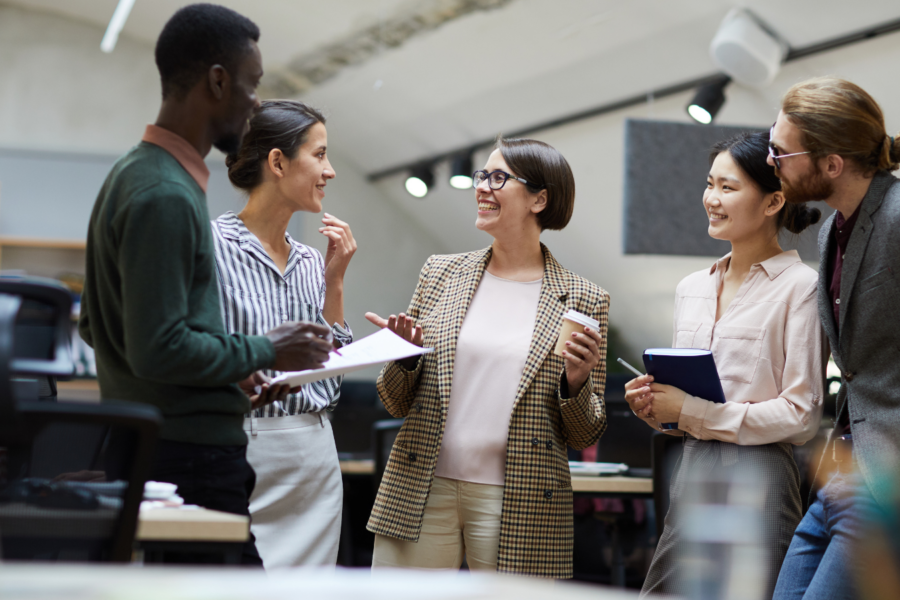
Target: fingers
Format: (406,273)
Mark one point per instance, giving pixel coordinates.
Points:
(418,336)
(313,328)
(376,320)
(642,381)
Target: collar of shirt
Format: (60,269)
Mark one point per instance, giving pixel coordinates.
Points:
(186,155)
(844,227)
(233,228)
(773,267)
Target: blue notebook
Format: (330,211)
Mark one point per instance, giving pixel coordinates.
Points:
(688,369)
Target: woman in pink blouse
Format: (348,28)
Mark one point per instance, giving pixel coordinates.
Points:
(755,308)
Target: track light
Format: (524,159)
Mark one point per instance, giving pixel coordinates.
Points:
(420,179)
(707,101)
(461,172)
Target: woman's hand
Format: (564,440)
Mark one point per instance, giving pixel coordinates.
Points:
(406,328)
(582,354)
(638,396)
(667,403)
(341,247)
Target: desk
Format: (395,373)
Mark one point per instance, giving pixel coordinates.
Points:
(618,485)
(29,581)
(194,530)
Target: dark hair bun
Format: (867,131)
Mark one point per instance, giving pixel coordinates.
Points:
(797,217)
(281,124)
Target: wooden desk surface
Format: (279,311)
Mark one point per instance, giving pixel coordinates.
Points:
(191,525)
(580,483)
(612,485)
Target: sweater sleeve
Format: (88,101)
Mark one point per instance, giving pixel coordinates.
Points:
(158,242)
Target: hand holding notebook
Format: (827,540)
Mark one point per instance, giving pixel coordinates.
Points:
(688,369)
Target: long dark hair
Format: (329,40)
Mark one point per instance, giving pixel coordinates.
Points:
(282,124)
(749,151)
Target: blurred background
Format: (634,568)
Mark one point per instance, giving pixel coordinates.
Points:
(404,82)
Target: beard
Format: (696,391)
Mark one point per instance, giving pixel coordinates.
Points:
(229,144)
(809,189)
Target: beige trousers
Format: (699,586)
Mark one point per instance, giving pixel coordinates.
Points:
(461,519)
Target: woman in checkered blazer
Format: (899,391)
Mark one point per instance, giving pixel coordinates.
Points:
(479,469)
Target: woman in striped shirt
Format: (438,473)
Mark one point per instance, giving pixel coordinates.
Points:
(265,279)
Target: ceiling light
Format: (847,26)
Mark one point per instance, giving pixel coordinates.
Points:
(419,181)
(116,23)
(707,101)
(461,172)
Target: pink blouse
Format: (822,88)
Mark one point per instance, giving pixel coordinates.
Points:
(768,348)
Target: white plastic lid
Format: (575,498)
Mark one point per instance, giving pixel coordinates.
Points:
(574,315)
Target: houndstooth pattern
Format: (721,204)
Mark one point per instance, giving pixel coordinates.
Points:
(781,511)
(536,524)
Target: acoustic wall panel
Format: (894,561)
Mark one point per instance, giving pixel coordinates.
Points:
(666,165)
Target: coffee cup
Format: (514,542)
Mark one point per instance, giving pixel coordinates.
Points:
(573,321)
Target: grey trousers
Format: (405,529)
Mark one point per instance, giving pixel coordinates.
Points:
(782,508)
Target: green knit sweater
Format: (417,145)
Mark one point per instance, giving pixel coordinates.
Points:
(150,307)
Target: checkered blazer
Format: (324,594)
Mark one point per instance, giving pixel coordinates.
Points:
(536,524)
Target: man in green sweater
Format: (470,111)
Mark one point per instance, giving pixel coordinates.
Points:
(150,307)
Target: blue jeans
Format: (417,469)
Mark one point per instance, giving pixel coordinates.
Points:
(819,563)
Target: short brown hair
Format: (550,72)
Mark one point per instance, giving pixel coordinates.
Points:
(835,116)
(544,167)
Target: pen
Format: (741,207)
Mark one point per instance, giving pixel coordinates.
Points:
(629,367)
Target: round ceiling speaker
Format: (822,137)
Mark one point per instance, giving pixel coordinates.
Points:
(746,51)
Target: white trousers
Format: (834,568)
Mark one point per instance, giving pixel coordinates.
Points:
(296,505)
(461,519)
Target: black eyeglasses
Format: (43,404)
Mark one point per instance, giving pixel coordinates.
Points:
(775,154)
(497,179)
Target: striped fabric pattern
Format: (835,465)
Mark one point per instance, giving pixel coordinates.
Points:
(536,524)
(256,298)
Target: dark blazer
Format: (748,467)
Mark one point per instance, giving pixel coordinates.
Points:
(867,348)
(536,523)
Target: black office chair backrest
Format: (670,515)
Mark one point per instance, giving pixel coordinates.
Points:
(74,473)
(666,450)
(73,488)
(42,328)
(384,433)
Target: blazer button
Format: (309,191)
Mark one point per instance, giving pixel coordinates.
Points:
(535,441)
(549,445)
(418,407)
(848,376)
(548,494)
(412,457)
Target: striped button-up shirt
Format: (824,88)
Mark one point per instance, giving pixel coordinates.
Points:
(257,297)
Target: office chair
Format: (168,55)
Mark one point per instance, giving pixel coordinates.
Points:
(666,452)
(75,473)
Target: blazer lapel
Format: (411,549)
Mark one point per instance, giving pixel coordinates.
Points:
(859,239)
(826,314)
(459,292)
(551,307)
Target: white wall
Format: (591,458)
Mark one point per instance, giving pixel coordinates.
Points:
(642,287)
(60,92)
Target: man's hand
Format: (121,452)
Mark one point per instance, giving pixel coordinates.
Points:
(300,346)
(261,392)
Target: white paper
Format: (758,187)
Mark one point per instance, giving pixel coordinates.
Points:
(374,349)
